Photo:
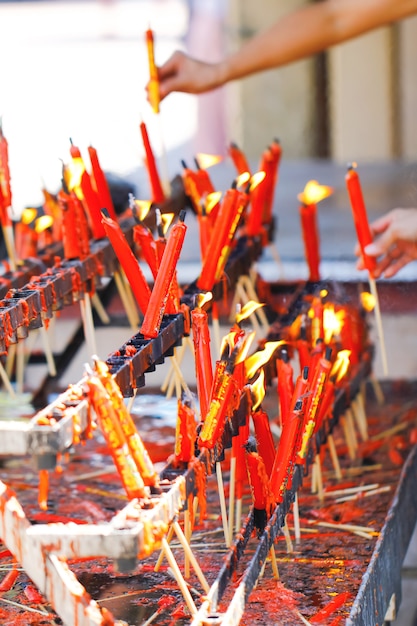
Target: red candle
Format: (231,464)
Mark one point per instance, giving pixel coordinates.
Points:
(70,238)
(115,438)
(143,237)
(239,159)
(360,217)
(128,262)
(286,451)
(308,214)
(321,374)
(223,232)
(153,86)
(257,199)
(26,241)
(272,179)
(202,353)
(285,383)
(185,433)
(5,186)
(157,192)
(89,195)
(303,346)
(264,438)
(238,452)
(102,187)
(262,496)
(160,292)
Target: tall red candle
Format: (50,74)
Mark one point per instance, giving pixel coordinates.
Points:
(157,193)
(128,262)
(143,237)
(102,186)
(260,486)
(308,214)
(285,383)
(89,195)
(272,166)
(257,199)
(202,353)
(285,454)
(70,238)
(360,217)
(160,292)
(5,186)
(185,433)
(239,159)
(238,451)
(264,438)
(153,87)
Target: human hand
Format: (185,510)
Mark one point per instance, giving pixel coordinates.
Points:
(395,242)
(183,73)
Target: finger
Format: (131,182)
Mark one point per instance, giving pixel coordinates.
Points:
(395,266)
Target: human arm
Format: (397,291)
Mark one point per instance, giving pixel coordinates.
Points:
(395,242)
(298,34)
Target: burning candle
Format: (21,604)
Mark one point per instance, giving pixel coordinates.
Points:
(157,192)
(185,432)
(312,194)
(257,198)
(128,262)
(202,353)
(285,376)
(321,374)
(272,166)
(262,496)
(153,86)
(5,186)
(102,186)
(264,439)
(360,217)
(286,451)
(160,292)
(85,192)
(239,159)
(142,234)
(115,438)
(70,238)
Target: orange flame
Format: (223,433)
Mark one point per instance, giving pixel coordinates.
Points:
(341,364)
(73,173)
(166,219)
(142,208)
(332,322)
(254,362)
(208,160)
(314,192)
(256,179)
(244,349)
(28,215)
(258,390)
(211,200)
(43,222)
(203,298)
(367,301)
(247,310)
(242,179)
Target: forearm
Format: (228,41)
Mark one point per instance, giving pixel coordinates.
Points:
(309,30)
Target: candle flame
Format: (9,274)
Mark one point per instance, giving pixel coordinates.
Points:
(142,208)
(249,308)
(332,322)
(208,160)
(242,179)
(323,293)
(166,220)
(256,179)
(28,215)
(203,298)
(73,174)
(211,200)
(367,301)
(246,344)
(43,222)
(341,364)
(314,192)
(254,362)
(258,390)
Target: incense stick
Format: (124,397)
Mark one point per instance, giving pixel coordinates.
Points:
(378,320)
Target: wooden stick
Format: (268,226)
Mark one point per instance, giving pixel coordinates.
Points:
(232,484)
(222,503)
(179,353)
(360,418)
(20,367)
(101,311)
(274,563)
(10,247)
(10,359)
(179,577)
(89,334)
(131,400)
(296,515)
(48,351)
(169,536)
(319,478)
(334,456)
(187,550)
(286,531)
(378,320)
(379,394)
(238,514)
(131,312)
(187,538)
(6,381)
